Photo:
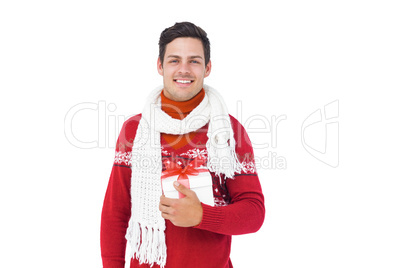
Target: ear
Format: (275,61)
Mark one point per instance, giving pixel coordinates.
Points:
(208,69)
(159,66)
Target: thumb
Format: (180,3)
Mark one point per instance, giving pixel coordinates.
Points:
(181,188)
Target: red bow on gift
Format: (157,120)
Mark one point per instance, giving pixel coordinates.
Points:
(192,169)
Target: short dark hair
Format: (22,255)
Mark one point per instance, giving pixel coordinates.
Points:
(184,29)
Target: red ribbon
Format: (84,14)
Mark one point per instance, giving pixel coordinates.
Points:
(192,169)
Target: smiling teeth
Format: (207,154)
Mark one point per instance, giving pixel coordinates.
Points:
(183,81)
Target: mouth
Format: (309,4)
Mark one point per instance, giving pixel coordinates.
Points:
(183,82)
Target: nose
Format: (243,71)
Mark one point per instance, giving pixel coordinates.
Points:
(184,68)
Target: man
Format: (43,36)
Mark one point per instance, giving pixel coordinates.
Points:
(183,137)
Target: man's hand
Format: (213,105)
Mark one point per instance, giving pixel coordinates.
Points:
(183,212)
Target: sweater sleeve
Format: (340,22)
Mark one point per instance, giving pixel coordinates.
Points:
(246,211)
(116,209)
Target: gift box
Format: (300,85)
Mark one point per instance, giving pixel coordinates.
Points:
(192,177)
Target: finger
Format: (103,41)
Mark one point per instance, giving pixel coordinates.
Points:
(161,208)
(182,189)
(166,216)
(166,201)
(165,209)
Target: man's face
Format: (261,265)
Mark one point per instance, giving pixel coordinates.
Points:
(183,68)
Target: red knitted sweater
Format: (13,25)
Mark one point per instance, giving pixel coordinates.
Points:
(239,205)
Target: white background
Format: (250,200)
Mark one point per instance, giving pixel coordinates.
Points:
(276,57)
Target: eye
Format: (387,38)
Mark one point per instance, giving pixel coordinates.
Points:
(194,61)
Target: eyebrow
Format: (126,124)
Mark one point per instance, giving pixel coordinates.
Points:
(191,57)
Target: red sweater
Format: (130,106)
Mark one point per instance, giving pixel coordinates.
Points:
(239,205)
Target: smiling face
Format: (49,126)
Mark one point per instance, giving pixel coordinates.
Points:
(183,68)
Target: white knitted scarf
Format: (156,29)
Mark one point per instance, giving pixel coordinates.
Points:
(145,232)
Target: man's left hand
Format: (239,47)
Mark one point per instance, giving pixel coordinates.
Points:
(183,212)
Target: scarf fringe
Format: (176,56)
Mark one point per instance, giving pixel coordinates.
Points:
(147,243)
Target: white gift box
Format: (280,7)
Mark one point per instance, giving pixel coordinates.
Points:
(201,184)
